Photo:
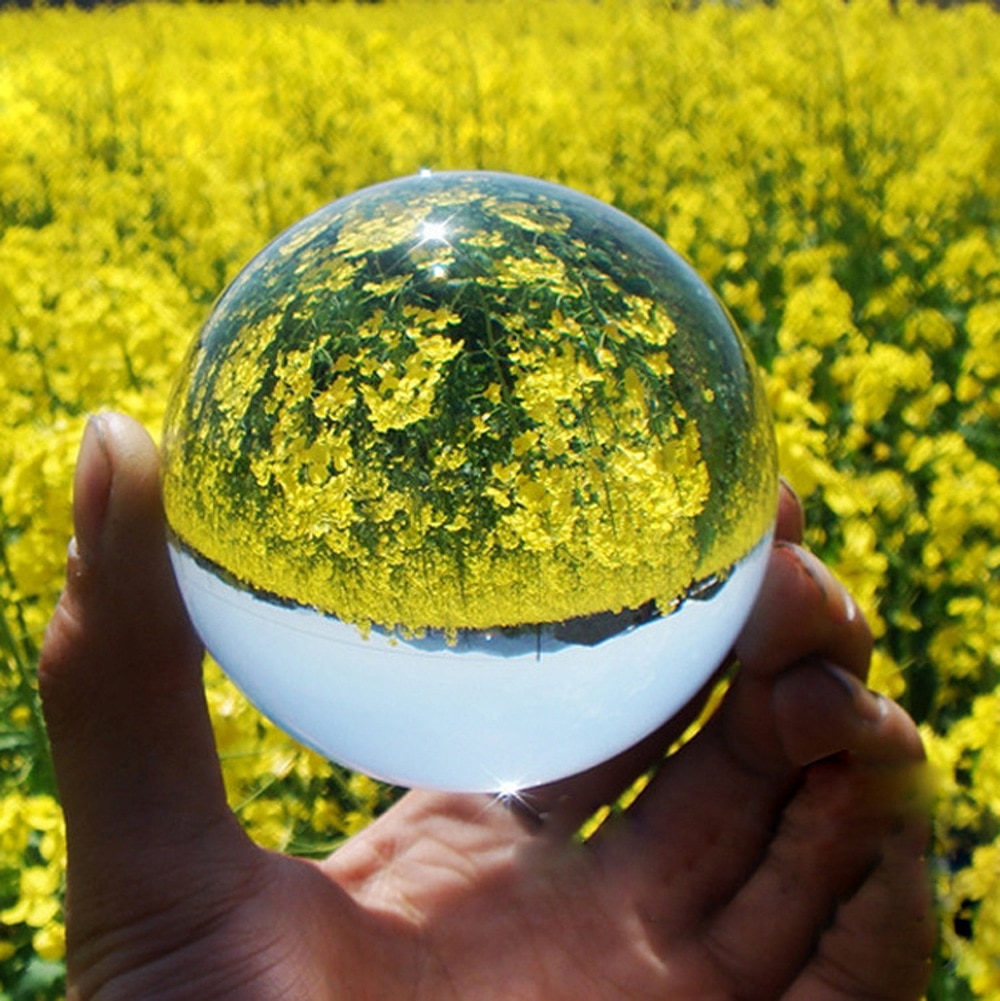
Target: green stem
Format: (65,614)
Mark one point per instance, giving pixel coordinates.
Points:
(24,656)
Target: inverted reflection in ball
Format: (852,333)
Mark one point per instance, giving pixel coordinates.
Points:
(469,480)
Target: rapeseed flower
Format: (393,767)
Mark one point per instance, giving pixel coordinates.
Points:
(830,168)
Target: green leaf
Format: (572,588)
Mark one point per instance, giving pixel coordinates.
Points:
(39,980)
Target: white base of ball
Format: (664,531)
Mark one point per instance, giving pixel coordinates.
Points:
(484,714)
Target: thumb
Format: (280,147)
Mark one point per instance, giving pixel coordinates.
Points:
(120,678)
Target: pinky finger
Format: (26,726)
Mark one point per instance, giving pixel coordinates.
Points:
(881,939)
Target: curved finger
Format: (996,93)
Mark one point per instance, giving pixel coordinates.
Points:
(832,837)
(778,633)
(880,942)
(802,612)
(821,710)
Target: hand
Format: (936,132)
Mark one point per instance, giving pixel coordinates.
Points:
(777,855)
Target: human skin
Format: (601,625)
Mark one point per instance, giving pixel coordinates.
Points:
(778,855)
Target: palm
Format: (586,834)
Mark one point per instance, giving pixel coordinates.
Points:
(776,856)
(455,897)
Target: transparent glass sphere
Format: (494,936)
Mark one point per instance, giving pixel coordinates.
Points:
(470,481)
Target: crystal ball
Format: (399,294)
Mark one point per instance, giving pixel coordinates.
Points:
(470,481)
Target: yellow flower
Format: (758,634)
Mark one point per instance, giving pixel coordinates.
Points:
(50,942)
(817,313)
(38,897)
(839,176)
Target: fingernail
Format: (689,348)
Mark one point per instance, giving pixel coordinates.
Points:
(785,485)
(791,524)
(869,705)
(817,570)
(832,590)
(91,489)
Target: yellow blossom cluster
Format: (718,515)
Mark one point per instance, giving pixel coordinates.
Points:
(831,169)
(511,439)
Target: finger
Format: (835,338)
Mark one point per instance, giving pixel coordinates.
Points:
(701,826)
(834,627)
(881,939)
(560,808)
(831,838)
(120,674)
(821,710)
(802,612)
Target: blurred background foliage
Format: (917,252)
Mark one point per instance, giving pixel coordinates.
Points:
(832,170)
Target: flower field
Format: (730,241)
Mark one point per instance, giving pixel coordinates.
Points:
(832,170)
